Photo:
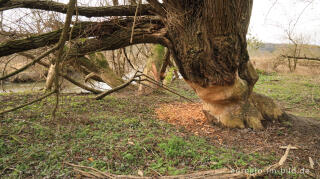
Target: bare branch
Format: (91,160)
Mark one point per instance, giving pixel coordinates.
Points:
(83,86)
(27,104)
(126,10)
(158,7)
(110,30)
(303,58)
(102,95)
(30,64)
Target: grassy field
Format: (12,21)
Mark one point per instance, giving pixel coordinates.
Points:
(122,135)
(297,94)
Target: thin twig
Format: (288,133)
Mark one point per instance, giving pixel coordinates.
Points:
(274,166)
(90,168)
(27,104)
(134,22)
(102,95)
(83,86)
(30,64)
(127,58)
(166,88)
(4,69)
(63,38)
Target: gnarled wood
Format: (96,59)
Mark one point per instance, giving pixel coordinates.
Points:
(114,31)
(209,45)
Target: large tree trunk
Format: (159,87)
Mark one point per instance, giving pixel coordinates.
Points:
(209,45)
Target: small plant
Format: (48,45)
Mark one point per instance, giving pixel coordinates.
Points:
(176,147)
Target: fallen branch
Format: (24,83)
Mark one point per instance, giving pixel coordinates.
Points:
(166,88)
(102,95)
(27,104)
(83,86)
(92,169)
(303,58)
(219,173)
(30,64)
(274,166)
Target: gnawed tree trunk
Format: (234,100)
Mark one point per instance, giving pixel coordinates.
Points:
(152,69)
(209,45)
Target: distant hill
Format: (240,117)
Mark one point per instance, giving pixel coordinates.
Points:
(269,48)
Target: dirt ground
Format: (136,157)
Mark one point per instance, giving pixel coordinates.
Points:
(303,133)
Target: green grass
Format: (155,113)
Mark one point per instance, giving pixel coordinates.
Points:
(121,135)
(299,95)
(118,135)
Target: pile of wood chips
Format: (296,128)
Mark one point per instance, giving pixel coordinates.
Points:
(187,115)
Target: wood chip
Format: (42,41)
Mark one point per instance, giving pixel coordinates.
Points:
(140,173)
(285,156)
(291,147)
(311,163)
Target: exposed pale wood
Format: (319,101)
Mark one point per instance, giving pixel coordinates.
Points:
(291,148)
(285,156)
(311,163)
(83,86)
(102,95)
(274,166)
(30,64)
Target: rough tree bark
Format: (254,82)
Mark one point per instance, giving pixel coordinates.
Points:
(209,45)
(109,35)
(127,10)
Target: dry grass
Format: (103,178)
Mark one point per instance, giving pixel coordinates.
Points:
(304,67)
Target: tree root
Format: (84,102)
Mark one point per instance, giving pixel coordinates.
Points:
(255,112)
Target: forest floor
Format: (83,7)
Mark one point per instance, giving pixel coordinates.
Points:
(156,134)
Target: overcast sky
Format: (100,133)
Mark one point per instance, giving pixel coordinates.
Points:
(270,19)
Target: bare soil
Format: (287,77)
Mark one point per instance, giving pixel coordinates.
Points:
(303,133)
